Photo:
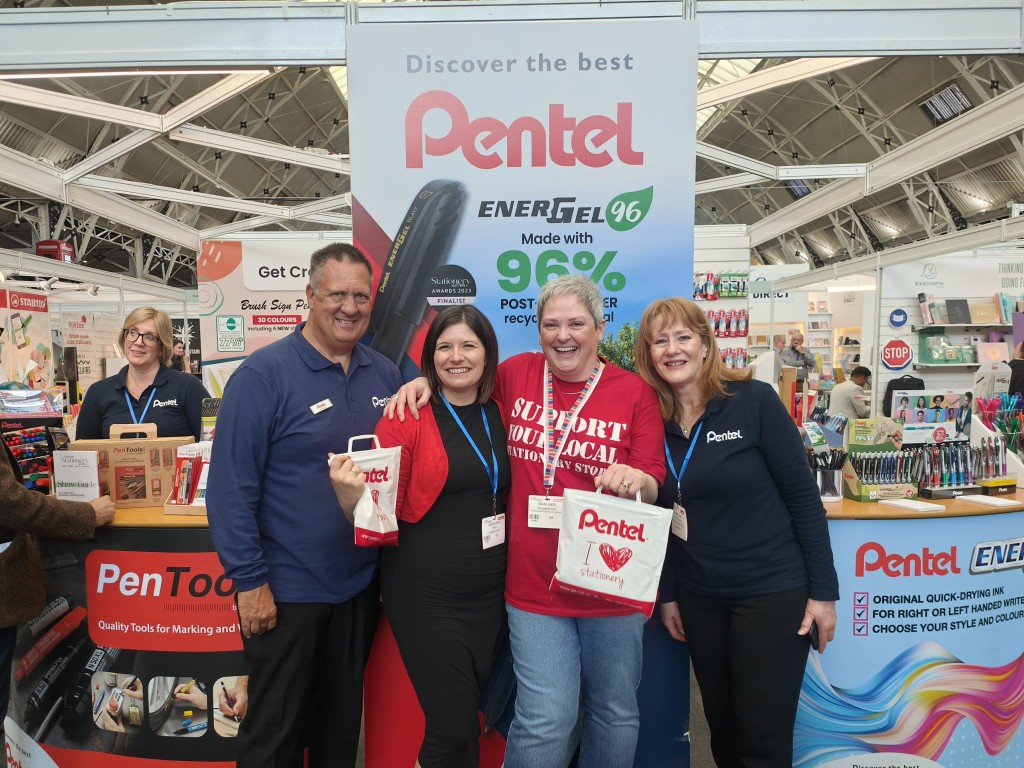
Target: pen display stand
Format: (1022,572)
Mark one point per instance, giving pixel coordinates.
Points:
(1014,477)
(876,468)
(830,484)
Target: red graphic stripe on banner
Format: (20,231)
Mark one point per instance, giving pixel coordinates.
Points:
(82,759)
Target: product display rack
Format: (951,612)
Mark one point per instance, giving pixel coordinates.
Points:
(967,346)
(847,356)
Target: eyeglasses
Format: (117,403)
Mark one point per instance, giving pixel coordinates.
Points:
(148,339)
(340,297)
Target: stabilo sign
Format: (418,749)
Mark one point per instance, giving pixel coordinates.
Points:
(896,355)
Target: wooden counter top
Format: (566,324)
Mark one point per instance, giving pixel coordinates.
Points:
(154,517)
(856,510)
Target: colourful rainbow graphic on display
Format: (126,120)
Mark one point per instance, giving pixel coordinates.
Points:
(911,706)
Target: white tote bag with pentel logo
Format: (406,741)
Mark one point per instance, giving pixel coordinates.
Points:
(375,518)
(611,548)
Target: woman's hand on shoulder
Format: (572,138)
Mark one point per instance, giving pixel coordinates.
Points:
(410,397)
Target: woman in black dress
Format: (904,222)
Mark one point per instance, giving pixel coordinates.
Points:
(443,586)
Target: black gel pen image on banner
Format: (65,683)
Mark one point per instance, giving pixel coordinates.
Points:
(420,247)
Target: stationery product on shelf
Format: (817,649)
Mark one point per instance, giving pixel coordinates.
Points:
(958,311)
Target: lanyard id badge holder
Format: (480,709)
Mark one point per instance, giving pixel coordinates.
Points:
(679,525)
(492,527)
(546,511)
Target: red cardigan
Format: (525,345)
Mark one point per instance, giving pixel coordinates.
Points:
(424,466)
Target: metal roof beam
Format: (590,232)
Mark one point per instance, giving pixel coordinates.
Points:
(217,93)
(264,34)
(232,142)
(735,160)
(94,109)
(773,77)
(982,236)
(981,125)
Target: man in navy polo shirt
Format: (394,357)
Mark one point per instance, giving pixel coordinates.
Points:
(307,596)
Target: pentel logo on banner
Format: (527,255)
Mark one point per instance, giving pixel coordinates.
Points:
(872,556)
(594,141)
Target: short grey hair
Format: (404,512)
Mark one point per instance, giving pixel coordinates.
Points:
(580,287)
(341,252)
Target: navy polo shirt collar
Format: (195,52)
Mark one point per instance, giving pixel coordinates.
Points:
(163,375)
(316,361)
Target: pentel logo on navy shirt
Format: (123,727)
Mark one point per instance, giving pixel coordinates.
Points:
(729,434)
(162,403)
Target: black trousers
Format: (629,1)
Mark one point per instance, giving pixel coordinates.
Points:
(749,663)
(8,639)
(306,684)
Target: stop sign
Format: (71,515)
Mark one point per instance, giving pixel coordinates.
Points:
(896,355)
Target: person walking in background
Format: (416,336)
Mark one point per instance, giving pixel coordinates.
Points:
(443,586)
(307,595)
(848,399)
(569,649)
(749,571)
(146,390)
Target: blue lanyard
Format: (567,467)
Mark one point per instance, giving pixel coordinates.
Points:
(492,470)
(131,408)
(686,460)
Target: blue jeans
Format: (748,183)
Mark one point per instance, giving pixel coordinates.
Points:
(560,662)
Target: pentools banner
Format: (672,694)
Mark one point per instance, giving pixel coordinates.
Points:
(507,154)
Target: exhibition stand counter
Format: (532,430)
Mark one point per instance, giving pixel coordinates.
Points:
(931,614)
(927,665)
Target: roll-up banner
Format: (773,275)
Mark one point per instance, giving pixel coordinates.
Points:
(489,158)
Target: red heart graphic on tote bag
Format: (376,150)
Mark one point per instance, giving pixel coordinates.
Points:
(615,558)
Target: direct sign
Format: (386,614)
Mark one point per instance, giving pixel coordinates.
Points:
(898,318)
(896,355)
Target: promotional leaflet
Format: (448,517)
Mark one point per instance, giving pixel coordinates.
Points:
(506,155)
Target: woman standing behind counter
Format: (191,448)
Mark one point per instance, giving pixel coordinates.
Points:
(145,390)
(749,570)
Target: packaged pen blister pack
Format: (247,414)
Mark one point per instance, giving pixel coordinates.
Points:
(878,466)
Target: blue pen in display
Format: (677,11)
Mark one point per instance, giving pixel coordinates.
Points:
(191,729)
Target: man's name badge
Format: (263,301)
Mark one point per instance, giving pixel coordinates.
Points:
(679,521)
(544,512)
(323,405)
(492,529)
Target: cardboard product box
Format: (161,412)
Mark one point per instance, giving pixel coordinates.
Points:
(867,437)
(854,489)
(136,472)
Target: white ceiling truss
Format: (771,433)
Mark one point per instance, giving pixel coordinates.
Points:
(811,96)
